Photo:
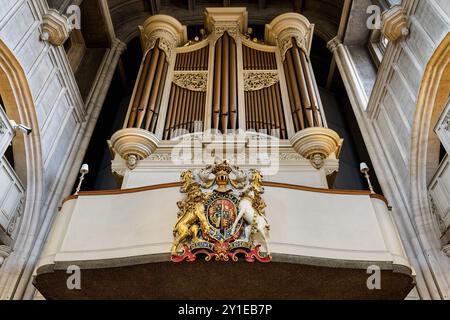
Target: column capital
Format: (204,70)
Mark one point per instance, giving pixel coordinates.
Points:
(167,29)
(281,30)
(333,44)
(56,27)
(118,45)
(395,23)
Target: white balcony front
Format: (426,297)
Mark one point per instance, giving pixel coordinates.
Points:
(322,241)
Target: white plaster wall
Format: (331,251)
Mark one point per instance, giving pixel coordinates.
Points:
(386,121)
(65,124)
(59,107)
(359,228)
(394,115)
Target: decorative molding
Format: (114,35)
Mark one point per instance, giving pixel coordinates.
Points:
(290,26)
(233,20)
(257,80)
(4,253)
(3,127)
(446,250)
(333,44)
(160,157)
(191,80)
(290,156)
(14,221)
(285,41)
(56,27)
(395,23)
(231,28)
(170,32)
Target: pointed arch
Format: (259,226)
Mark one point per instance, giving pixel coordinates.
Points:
(20,107)
(434,88)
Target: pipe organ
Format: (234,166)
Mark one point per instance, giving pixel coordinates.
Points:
(186,108)
(226,81)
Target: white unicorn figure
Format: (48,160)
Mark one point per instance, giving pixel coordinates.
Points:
(256,221)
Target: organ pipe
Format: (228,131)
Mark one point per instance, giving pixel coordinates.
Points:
(186,105)
(224,107)
(302,90)
(263,106)
(144,107)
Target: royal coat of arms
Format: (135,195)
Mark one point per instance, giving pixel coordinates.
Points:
(221,216)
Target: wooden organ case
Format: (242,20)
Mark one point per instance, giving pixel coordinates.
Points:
(226,81)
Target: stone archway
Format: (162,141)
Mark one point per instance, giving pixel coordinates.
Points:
(424,152)
(20,107)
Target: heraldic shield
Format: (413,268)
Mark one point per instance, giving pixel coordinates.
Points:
(222,215)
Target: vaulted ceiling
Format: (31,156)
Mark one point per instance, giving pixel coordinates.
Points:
(128,14)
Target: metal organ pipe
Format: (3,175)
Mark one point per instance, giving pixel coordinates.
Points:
(225,82)
(217,82)
(144,108)
(233,85)
(301,84)
(186,105)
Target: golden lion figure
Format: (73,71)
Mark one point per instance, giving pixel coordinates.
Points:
(192,213)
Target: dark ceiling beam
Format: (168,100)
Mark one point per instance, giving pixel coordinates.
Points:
(155,6)
(262,4)
(191,5)
(299,6)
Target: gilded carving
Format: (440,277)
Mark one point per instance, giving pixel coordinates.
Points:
(221,215)
(191,80)
(167,41)
(285,41)
(232,29)
(257,80)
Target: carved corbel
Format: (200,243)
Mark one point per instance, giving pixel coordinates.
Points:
(290,26)
(170,32)
(317,144)
(56,27)
(134,144)
(395,23)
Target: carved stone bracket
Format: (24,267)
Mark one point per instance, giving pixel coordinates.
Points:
(290,26)
(134,144)
(316,144)
(56,27)
(395,23)
(170,32)
(191,80)
(257,80)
